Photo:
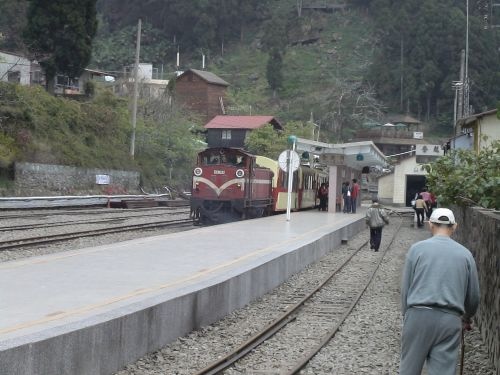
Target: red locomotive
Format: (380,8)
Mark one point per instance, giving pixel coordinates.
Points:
(231,184)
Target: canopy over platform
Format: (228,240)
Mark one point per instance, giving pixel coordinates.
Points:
(355,154)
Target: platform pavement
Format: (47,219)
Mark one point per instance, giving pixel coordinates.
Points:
(93,310)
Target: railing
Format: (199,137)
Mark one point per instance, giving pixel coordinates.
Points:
(389,133)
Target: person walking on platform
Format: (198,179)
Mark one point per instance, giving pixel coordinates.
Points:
(439,295)
(420,208)
(376,218)
(354,195)
(346,195)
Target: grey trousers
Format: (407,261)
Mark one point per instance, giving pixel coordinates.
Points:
(430,335)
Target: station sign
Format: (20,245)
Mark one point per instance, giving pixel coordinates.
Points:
(429,150)
(418,135)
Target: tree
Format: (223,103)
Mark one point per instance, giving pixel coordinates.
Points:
(420,42)
(274,68)
(464,177)
(12,22)
(59,35)
(268,142)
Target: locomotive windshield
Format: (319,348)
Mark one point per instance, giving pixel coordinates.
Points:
(217,158)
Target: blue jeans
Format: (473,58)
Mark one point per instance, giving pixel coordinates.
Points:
(347,204)
(353,205)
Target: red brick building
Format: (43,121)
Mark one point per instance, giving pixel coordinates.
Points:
(202,92)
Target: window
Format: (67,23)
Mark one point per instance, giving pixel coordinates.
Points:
(226,134)
(14,76)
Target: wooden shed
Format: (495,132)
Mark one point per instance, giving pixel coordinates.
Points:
(231,131)
(202,92)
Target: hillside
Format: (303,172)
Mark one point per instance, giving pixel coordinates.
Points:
(342,67)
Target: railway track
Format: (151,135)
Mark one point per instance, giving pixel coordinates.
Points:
(83,211)
(310,321)
(53,238)
(116,219)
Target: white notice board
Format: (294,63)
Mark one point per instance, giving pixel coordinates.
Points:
(102,179)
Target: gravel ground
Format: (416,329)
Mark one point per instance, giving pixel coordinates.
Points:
(368,342)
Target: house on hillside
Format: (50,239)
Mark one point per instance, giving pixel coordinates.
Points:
(202,92)
(396,135)
(482,128)
(65,85)
(231,131)
(150,84)
(15,68)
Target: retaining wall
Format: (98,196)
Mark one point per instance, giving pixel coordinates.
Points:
(32,179)
(479,231)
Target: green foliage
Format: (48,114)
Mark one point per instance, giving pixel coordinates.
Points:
(275,35)
(59,35)
(38,127)
(430,34)
(114,50)
(268,142)
(8,150)
(12,22)
(464,177)
(274,73)
(192,24)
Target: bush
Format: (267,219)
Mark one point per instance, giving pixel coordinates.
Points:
(463,177)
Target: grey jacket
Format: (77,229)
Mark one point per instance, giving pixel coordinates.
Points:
(376,216)
(441,273)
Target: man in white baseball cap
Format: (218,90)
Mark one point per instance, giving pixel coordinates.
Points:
(439,295)
(442,216)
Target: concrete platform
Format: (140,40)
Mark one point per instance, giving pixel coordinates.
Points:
(92,311)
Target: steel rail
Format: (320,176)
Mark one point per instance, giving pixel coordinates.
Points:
(327,337)
(10,244)
(273,327)
(84,211)
(88,222)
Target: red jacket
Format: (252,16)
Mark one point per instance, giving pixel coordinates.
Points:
(355,190)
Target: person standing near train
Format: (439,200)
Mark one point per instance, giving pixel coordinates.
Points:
(323,197)
(354,195)
(346,196)
(439,296)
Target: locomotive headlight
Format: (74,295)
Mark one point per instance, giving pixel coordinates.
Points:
(198,171)
(240,173)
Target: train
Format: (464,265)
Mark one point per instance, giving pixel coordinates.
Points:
(230,184)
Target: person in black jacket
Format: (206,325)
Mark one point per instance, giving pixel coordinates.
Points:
(376,218)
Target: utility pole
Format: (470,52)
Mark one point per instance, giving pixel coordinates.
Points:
(466,80)
(402,75)
(461,89)
(136,86)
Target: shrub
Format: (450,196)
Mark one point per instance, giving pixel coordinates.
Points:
(465,178)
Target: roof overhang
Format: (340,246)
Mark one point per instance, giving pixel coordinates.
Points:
(356,154)
(467,121)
